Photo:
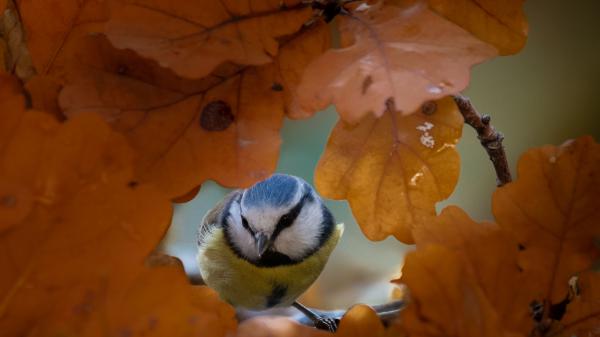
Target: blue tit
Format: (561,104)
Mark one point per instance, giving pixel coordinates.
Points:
(262,247)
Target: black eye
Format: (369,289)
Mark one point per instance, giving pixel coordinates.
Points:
(246,225)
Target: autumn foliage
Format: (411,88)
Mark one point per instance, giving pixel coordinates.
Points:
(111,110)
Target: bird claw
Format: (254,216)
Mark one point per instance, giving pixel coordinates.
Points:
(326,323)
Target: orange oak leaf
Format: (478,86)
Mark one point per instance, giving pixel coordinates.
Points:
(552,210)
(15,201)
(393,169)
(73,262)
(52,41)
(409,55)
(44,91)
(501,23)
(155,302)
(193,38)
(224,127)
(50,37)
(445,299)
(491,256)
(583,312)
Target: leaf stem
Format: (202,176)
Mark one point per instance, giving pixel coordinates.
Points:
(490,139)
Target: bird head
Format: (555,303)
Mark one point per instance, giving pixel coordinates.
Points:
(280,220)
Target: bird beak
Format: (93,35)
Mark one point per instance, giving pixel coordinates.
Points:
(262,243)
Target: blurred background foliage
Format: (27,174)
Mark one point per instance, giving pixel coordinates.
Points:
(546,94)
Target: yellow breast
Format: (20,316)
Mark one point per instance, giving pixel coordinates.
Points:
(244,284)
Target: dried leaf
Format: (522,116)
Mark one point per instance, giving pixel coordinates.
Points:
(501,23)
(410,55)
(360,321)
(490,255)
(445,298)
(583,312)
(223,127)
(73,262)
(552,210)
(43,91)
(193,38)
(16,56)
(50,38)
(53,40)
(156,302)
(393,169)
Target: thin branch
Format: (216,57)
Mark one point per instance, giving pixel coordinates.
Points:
(386,312)
(489,138)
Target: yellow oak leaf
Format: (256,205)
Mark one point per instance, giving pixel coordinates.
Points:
(393,169)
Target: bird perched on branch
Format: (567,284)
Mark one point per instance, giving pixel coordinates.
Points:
(262,247)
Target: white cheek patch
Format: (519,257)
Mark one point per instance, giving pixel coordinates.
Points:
(235,214)
(303,235)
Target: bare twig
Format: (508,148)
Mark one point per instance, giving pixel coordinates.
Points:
(488,136)
(386,312)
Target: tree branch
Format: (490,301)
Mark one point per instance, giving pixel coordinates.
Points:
(386,312)
(488,136)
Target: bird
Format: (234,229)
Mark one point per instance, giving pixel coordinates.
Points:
(263,246)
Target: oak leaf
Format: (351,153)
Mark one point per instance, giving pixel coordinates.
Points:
(552,210)
(393,169)
(155,302)
(582,317)
(525,265)
(15,56)
(50,38)
(193,38)
(445,298)
(72,261)
(408,55)
(224,127)
(490,255)
(53,42)
(501,23)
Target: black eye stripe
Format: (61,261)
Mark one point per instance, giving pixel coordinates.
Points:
(246,225)
(288,219)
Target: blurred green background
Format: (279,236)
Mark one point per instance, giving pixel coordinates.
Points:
(546,94)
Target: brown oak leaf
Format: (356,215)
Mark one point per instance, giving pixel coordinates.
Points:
(224,127)
(53,41)
(50,37)
(491,256)
(193,38)
(409,55)
(14,55)
(534,267)
(445,298)
(393,169)
(583,312)
(501,23)
(552,210)
(72,261)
